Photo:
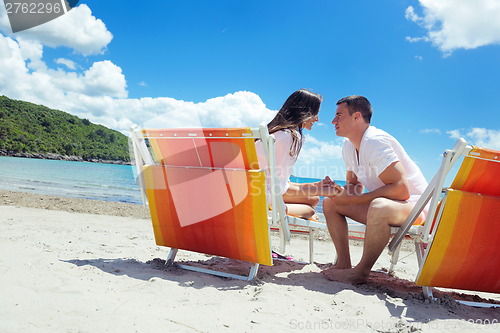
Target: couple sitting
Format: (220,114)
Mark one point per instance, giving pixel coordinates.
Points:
(374,160)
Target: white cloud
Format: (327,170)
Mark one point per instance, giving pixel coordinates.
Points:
(454,134)
(486,138)
(77,29)
(13,68)
(24,75)
(458,24)
(104,79)
(66,62)
(412,16)
(418,39)
(239,109)
(482,137)
(32,51)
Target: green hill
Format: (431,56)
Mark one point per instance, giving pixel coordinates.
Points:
(31,130)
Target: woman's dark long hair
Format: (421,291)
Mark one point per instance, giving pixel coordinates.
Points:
(300,106)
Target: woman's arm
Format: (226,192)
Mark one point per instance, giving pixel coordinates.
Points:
(325,187)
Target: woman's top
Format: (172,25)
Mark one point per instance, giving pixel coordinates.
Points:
(284,161)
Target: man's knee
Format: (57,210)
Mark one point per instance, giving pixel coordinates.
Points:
(332,210)
(328,205)
(380,212)
(378,203)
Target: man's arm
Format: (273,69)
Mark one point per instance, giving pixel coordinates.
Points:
(352,186)
(396,187)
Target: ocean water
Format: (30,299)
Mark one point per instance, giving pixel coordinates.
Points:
(106,182)
(97,181)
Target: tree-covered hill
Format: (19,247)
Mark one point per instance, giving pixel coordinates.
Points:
(27,129)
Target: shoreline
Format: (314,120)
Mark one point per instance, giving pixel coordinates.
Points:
(58,157)
(77,205)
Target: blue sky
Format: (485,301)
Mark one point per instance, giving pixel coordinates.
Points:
(430,68)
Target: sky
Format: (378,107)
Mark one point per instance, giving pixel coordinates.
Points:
(430,68)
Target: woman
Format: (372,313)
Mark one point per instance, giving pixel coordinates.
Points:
(299,111)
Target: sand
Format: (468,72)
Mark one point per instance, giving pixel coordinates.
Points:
(74,265)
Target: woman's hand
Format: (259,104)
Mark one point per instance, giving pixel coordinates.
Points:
(327,187)
(326,182)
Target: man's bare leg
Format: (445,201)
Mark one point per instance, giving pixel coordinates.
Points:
(382,214)
(337,226)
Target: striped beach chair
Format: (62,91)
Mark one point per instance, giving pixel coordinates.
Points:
(207,193)
(459,245)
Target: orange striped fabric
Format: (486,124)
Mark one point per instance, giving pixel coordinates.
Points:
(213,147)
(479,172)
(218,205)
(464,253)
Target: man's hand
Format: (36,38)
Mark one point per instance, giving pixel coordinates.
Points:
(327,181)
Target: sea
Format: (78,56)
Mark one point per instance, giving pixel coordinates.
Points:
(96,181)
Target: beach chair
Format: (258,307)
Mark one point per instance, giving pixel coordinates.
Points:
(207,193)
(296,225)
(458,246)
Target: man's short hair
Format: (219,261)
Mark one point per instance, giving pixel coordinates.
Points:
(357,103)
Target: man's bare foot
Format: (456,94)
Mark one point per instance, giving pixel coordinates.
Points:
(332,266)
(340,266)
(350,275)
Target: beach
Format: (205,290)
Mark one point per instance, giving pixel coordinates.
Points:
(76,265)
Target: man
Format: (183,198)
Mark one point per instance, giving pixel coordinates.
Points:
(375,161)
